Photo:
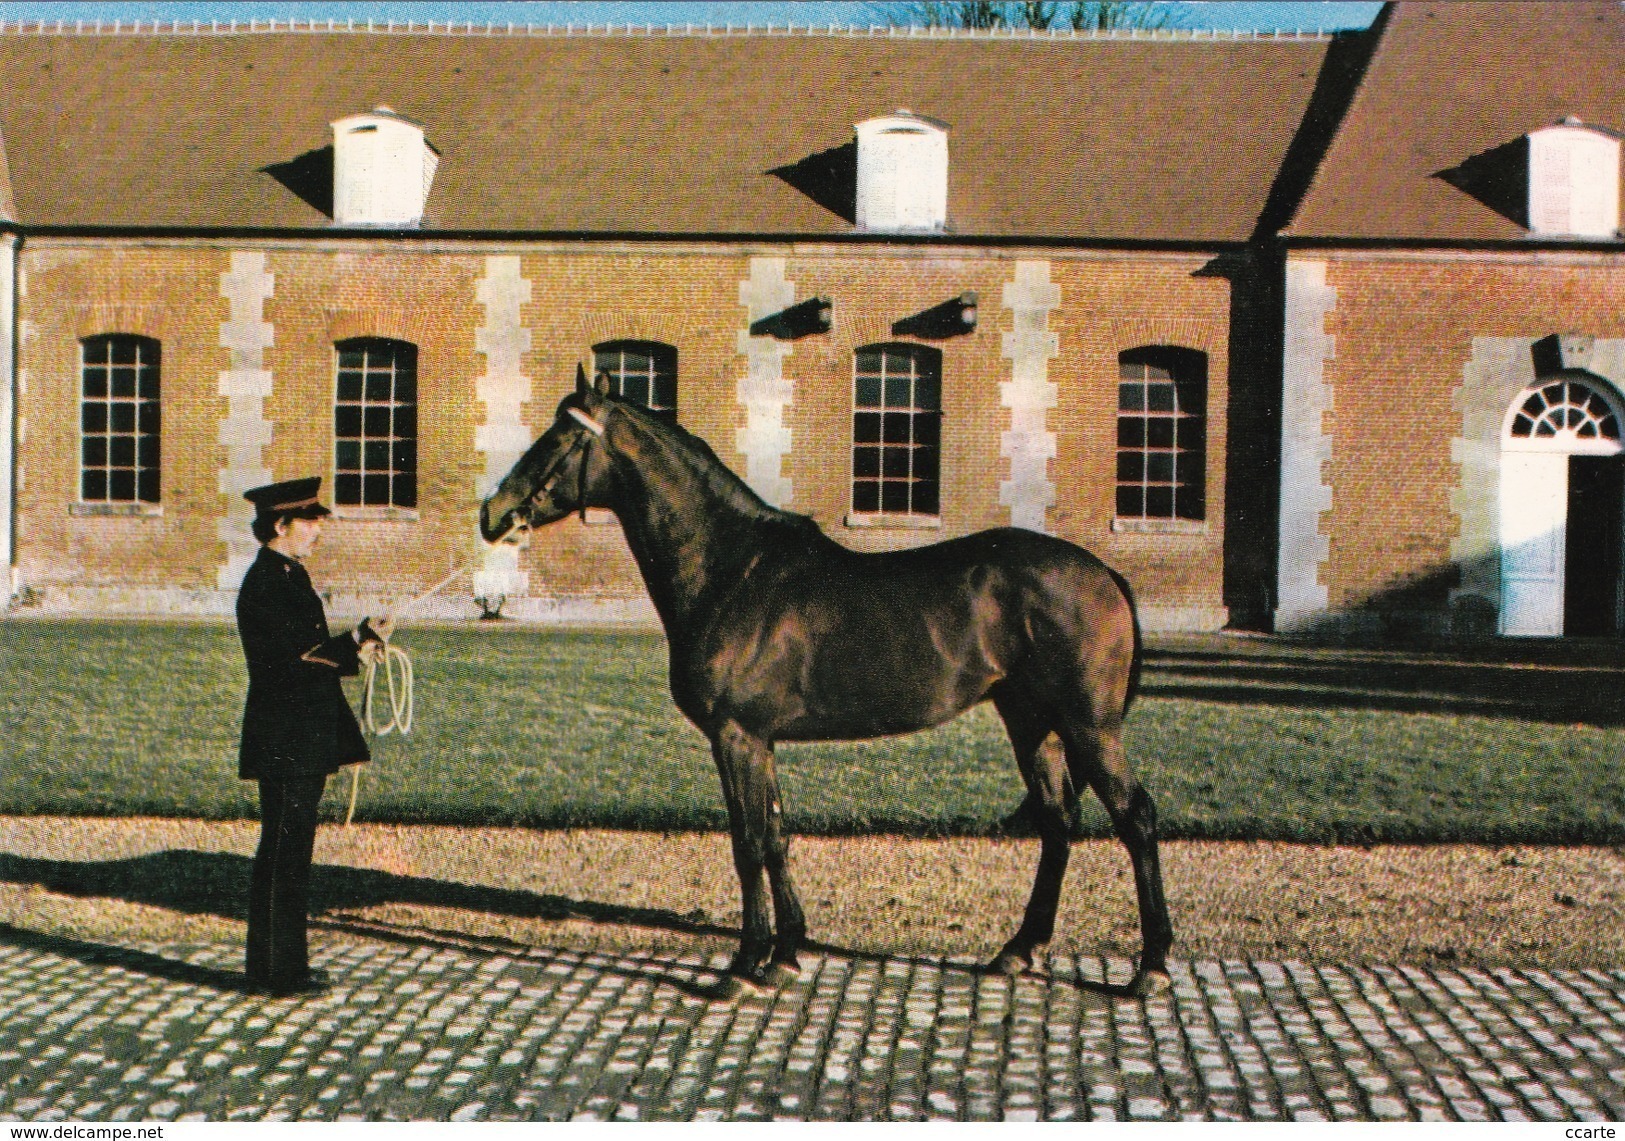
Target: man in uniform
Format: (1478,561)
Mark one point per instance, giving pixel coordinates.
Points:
(297,725)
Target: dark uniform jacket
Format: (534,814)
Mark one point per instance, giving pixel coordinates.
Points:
(297,721)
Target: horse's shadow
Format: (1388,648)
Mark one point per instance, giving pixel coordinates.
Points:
(216,883)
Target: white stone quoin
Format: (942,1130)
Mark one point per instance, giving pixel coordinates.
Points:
(245,431)
(1306,448)
(902,173)
(383,167)
(1573,181)
(1029,394)
(503,389)
(764,390)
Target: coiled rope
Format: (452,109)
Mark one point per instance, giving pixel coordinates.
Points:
(398,680)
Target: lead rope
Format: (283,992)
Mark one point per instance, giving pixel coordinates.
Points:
(398,682)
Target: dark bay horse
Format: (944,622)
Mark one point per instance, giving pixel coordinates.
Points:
(778,633)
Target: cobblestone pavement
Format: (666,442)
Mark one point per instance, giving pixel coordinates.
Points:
(433,1031)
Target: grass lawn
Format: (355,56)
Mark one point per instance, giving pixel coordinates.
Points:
(1235,738)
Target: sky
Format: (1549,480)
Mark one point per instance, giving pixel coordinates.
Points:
(1224,15)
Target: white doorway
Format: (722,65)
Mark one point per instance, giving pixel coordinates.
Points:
(1560,497)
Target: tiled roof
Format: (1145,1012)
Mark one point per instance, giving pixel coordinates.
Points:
(1448,87)
(1068,140)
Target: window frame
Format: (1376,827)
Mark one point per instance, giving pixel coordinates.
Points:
(661,377)
(126,418)
(871,463)
(1162,431)
(355,388)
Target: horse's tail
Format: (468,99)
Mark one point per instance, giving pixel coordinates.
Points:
(1137,663)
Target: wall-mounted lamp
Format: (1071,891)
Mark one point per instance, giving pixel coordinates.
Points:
(950,319)
(802,319)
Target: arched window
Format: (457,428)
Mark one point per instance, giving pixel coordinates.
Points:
(1162,433)
(375,423)
(119,422)
(1566,413)
(640,372)
(897,430)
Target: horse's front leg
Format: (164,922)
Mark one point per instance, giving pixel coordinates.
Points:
(750,785)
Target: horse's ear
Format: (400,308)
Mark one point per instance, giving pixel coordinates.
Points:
(601,382)
(581,378)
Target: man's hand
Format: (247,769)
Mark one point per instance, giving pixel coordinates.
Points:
(371,653)
(370,629)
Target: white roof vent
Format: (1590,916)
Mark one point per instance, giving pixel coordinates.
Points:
(382,169)
(1573,181)
(902,173)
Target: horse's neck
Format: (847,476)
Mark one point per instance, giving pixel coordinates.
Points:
(683,521)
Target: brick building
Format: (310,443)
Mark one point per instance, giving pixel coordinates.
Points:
(912,286)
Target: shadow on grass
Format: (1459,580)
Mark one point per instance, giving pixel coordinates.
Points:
(1563,683)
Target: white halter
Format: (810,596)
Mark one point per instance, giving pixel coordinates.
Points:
(586,421)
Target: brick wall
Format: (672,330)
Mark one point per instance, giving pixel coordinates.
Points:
(689,297)
(1404,331)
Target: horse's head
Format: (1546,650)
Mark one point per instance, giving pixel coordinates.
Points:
(563,471)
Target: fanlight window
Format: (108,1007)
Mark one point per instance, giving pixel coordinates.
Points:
(1566,412)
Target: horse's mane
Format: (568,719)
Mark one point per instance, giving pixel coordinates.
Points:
(718,480)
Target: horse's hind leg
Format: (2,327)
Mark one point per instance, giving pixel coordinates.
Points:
(1051,799)
(1097,756)
(756,822)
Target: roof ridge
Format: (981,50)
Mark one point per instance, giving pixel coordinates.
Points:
(631,30)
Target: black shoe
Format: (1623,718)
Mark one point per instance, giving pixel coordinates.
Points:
(311,984)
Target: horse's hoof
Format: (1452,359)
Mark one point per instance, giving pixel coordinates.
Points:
(1151,983)
(1011,964)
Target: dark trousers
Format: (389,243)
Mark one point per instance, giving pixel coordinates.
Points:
(279,892)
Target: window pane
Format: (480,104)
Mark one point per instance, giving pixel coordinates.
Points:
(123,349)
(148,380)
(406,422)
(866,428)
(93,418)
(96,383)
(868,392)
(866,462)
(1130,432)
(347,420)
(375,420)
(375,455)
(375,489)
(147,452)
(865,495)
(406,490)
(347,455)
(896,427)
(93,452)
(378,387)
(349,386)
(1159,467)
(1131,466)
(1130,397)
(406,387)
(123,382)
(926,464)
(1131,502)
(121,451)
(636,389)
(894,462)
(122,417)
(899,392)
(926,499)
(121,485)
(147,485)
(1159,397)
(347,489)
(928,392)
(97,350)
(93,487)
(1159,502)
(351,358)
(146,416)
(1159,433)
(894,497)
(404,456)
(928,429)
